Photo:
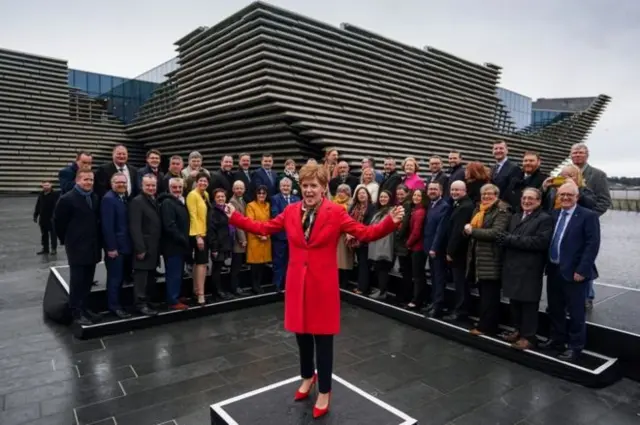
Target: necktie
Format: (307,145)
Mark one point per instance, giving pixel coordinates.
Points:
(496,169)
(554,253)
(287,199)
(121,169)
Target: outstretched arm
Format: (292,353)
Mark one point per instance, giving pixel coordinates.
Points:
(263,228)
(365,233)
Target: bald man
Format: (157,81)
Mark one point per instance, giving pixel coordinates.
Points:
(343,177)
(572,257)
(461,212)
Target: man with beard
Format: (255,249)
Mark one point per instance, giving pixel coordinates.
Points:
(456,169)
(391,179)
(152,167)
(265,176)
(223,178)
(529,176)
(457,245)
(343,178)
(175,172)
(146,227)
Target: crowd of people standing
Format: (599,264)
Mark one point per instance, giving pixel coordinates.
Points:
(500,227)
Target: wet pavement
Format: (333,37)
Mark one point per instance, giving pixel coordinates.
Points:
(171,374)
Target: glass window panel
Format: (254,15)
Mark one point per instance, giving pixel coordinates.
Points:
(93,84)
(106,84)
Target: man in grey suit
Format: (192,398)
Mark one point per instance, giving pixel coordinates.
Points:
(596,180)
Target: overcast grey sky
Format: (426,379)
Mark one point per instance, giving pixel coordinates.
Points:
(547,48)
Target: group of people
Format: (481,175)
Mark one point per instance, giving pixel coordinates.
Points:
(500,227)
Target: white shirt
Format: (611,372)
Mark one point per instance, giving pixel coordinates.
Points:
(125,170)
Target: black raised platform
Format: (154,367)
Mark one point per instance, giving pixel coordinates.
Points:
(55,303)
(592,369)
(274,405)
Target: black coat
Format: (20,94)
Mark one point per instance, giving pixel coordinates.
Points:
(218,234)
(351,181)
(221,180)
(103,176)
(402,233)
(457,242)
(248,190)
(473,190)
(45,205)
(525,254)
(145,227)
(78,227)
(175,226)
(519,183)
(390,182)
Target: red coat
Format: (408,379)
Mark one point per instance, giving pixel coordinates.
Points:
(312,291)
(415,241)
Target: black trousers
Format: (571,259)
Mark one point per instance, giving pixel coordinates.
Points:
(322,347)
(418,263)
(364,281)
(48,235)
(406,290)
(463,294)
(237,261)
(257,271)
(144,282)
(343,278)
(489,306)
(80,282)
(216,276)
(525,318)
(382,268)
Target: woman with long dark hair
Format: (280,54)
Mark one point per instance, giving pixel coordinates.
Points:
(381,251)
(312,301)
(221,236)
(361,210)
(415,244)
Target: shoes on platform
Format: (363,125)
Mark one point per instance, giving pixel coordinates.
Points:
(179,306)
(320,412)
(303,396)
(476,332)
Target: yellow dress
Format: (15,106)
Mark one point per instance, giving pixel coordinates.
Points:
(258,252)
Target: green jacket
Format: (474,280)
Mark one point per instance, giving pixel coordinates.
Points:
(484,255)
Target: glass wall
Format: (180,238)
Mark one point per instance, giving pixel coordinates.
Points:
(541,118)
(518,106)
(122,96)
(159,73)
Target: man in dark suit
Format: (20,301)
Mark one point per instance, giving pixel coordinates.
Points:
(343,177)
(120,156)
(243,173)
(572,255)
(152,167)
(435,228)
(529,176)
(43,215)
(176,164)
(67,175)
(114,218)
(279,245)
(77,224)
(457,246)
(596,180)
(391,179)
(504,170)
(223,178)
(145,226)
(456,169)
(437,175)
(265,176)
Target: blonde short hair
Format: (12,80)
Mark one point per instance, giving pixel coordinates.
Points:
(314,172)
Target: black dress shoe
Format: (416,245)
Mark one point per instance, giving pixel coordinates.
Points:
(94,317)
(147,311)
(224,296)
(54,252)
(43,252)
(551,345)
(452,317)
(569,355)
(257,291)
(83,321)
(434,313)
(121,314)
(237,292)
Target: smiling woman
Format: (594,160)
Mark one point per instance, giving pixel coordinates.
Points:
(312,301)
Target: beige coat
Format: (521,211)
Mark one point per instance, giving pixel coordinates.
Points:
(240,205)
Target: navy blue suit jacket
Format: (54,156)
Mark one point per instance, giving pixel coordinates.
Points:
(67,178)
(278,204)
(435,226)
(580,244)
(260,178)
(115,224)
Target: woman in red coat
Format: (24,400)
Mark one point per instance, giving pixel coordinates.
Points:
(312,298)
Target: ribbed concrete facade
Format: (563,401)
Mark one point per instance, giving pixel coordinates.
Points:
(266,79)
(43,123)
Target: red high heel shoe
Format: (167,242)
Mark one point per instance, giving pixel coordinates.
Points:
(303,396)
(318,413)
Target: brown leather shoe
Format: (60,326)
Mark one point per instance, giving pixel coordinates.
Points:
(522,344)
(476,332)
(512,337)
